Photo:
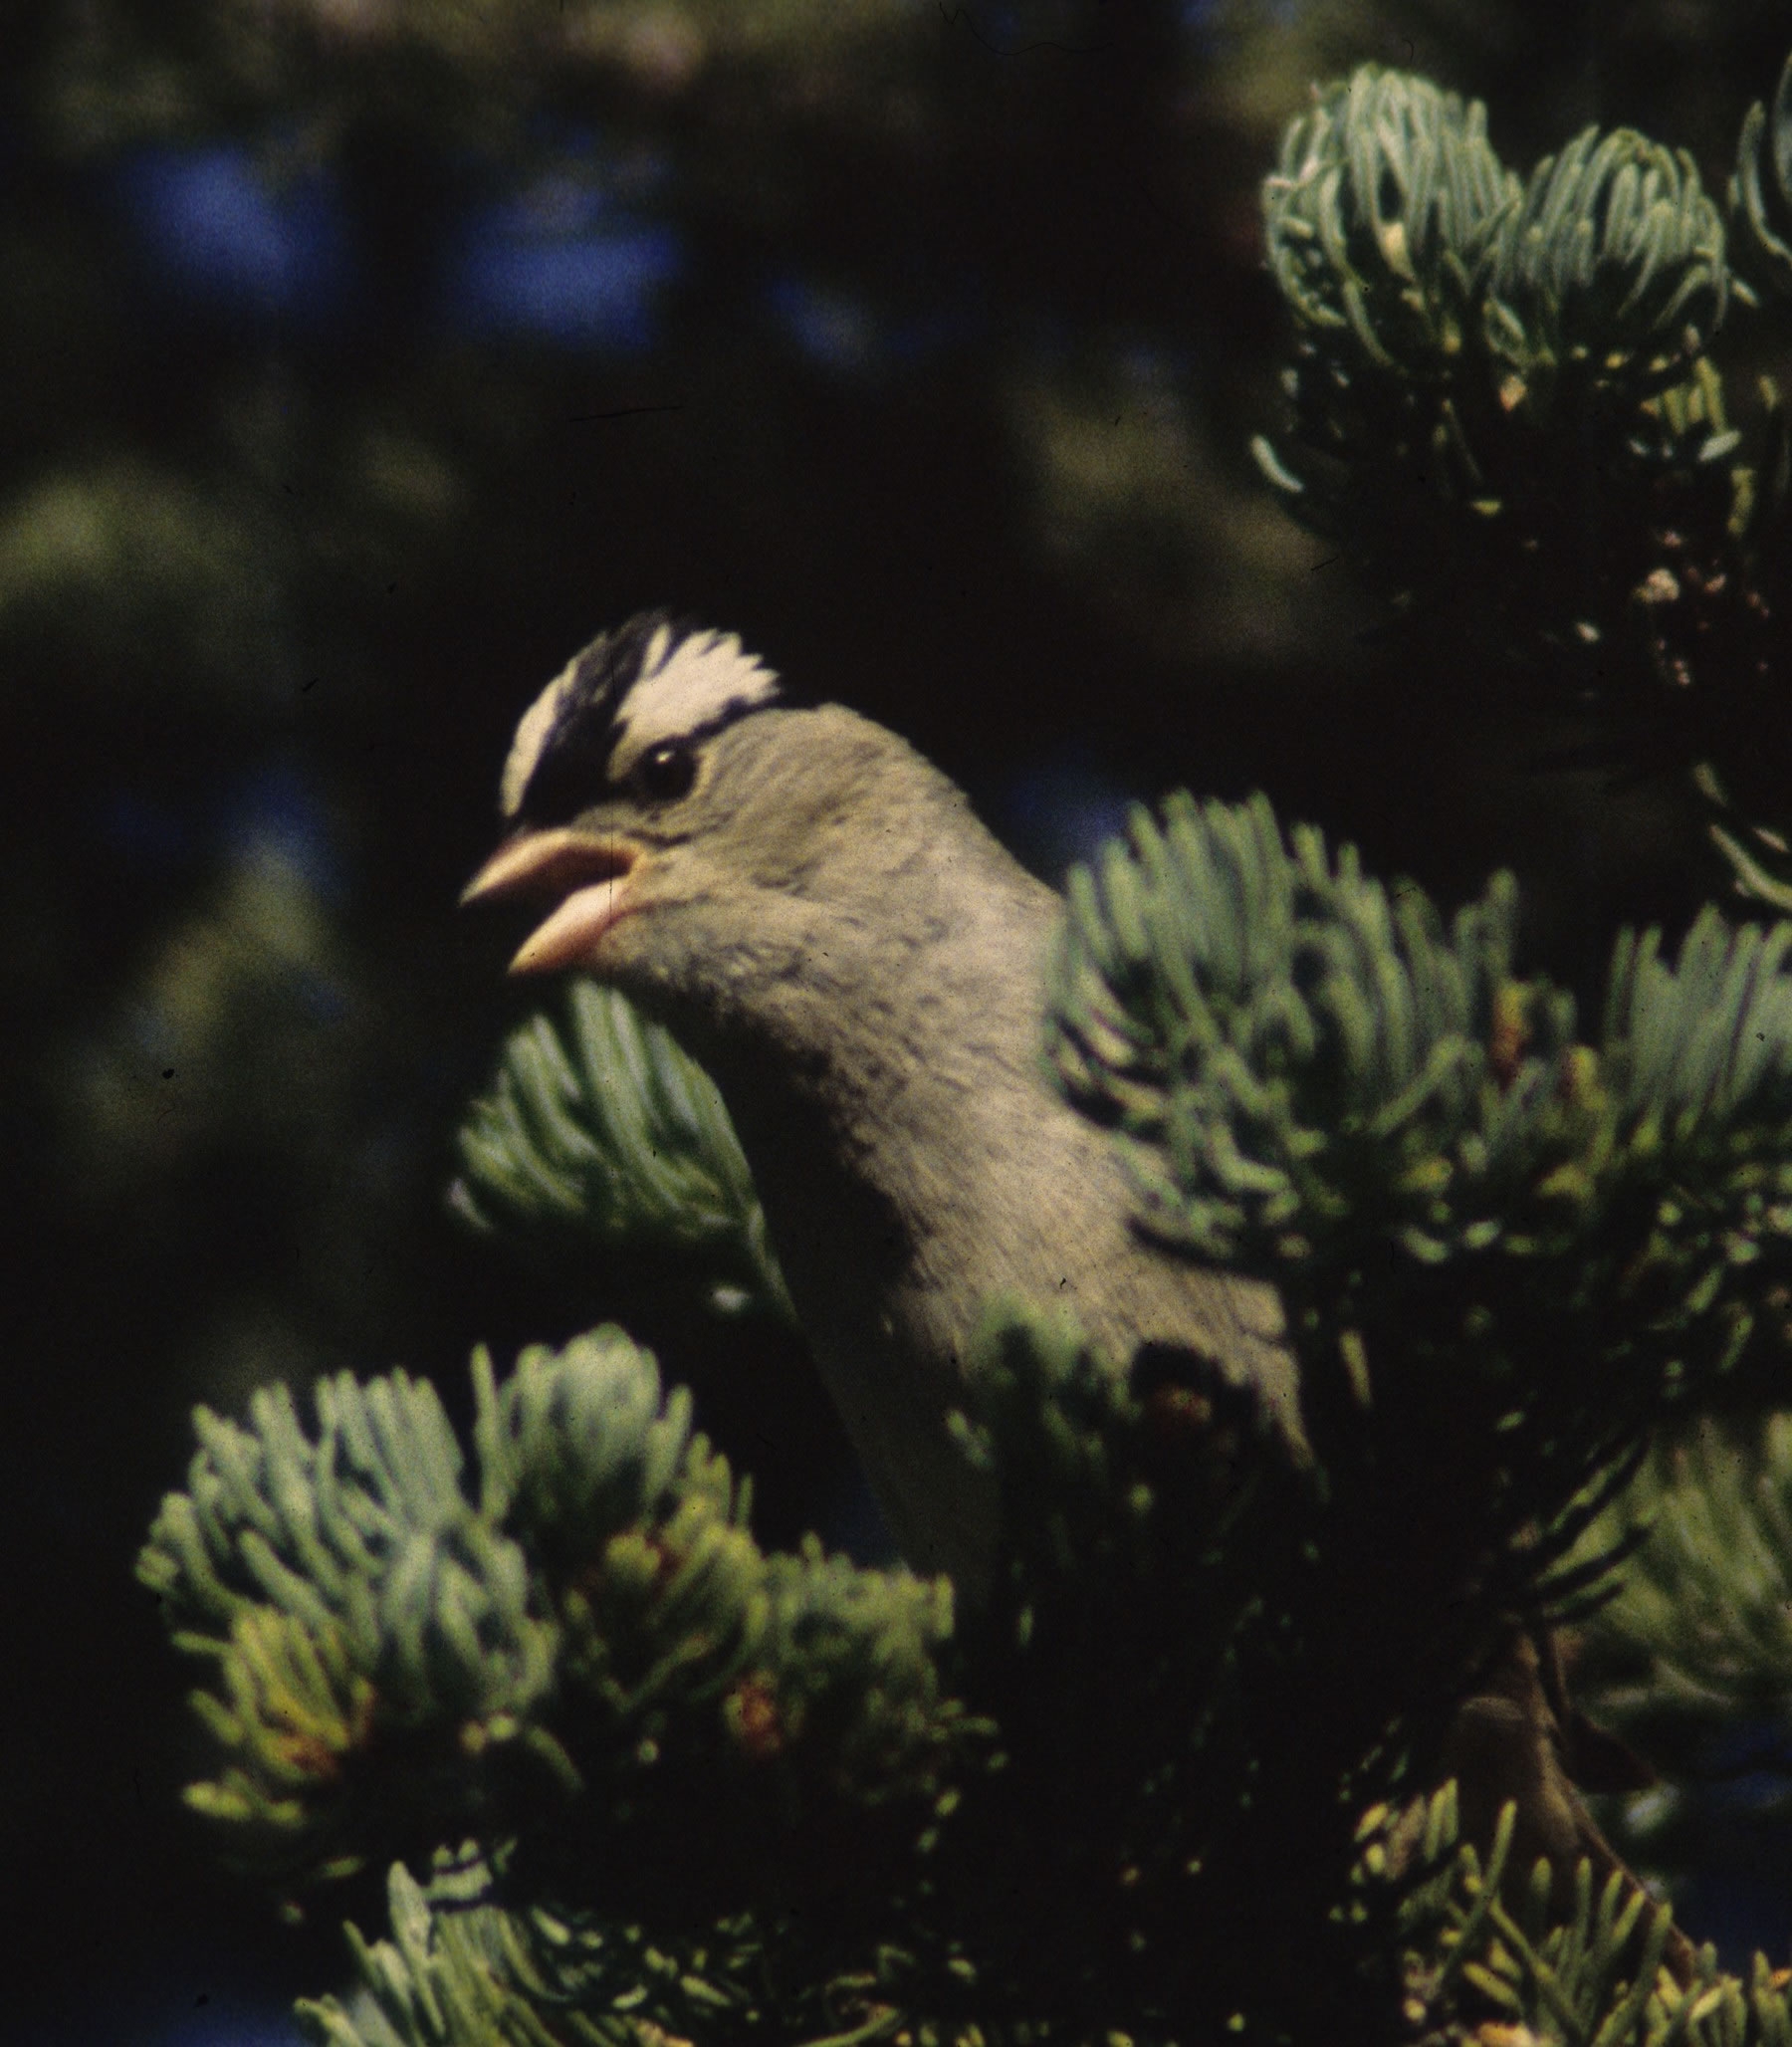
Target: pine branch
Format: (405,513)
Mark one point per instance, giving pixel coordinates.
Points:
(1444,312)
(460,1971)
(1610,277)
(1477,1967)
(577,1657)
(590,1637)
(1289,1047)
(1761,194)
(1383,215)
(1505,1255)
(1308,1068)
(606,1128)
(1700,1627)
(1505,393)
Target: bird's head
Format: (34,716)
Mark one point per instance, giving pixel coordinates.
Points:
(667,800)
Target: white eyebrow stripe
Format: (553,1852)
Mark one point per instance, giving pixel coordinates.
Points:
(532,734)
(685,687)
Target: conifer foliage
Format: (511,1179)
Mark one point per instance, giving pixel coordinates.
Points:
(641,1780)
(1458,329)
(603,1127)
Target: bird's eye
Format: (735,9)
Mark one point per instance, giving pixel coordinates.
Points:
(666,771)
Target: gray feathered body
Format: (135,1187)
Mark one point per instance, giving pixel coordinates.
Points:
(873,1014)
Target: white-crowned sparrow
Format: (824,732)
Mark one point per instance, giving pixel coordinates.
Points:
(820,918)
(818,915)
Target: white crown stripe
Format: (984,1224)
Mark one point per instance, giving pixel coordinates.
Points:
(685,686)
(533,733)
(681,686)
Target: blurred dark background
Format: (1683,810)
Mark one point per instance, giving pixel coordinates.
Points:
(359,360)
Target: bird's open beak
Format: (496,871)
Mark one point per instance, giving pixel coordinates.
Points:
(586,875)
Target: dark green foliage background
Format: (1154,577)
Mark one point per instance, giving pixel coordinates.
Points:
(343,547)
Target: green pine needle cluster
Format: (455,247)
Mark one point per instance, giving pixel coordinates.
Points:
(1700,1624)
(588,1637)
(1691,1658)
(1487,1961)
(603,1128)
(1611,270)
(1505,1256)
(1383,214)
(461,1972)
(1508,409)
(1316,1078)
(1761,193)
(1292,1048)
(1449,306)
